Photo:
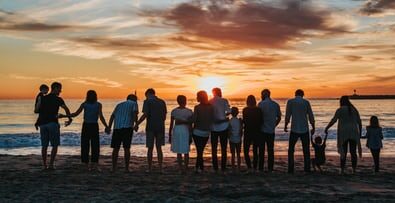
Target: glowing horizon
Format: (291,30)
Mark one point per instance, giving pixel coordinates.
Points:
(327,48)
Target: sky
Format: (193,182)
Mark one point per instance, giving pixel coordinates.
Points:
(326,47)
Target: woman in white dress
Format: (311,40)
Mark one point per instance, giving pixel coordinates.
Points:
(179,132)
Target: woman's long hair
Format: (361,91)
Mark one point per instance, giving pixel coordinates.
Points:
(374,122)
(91,97)
(345,101)
(202,97)
(251,101)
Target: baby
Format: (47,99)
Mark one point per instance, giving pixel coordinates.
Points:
(319,151)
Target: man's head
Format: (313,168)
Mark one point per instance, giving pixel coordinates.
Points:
(265,93)
(150,92)
(299,92)
(56,88)
(217,92)
(132,97)
(44,88)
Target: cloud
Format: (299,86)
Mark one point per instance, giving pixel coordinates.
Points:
(248,24)
(353,57)
(258,60)
(377,7)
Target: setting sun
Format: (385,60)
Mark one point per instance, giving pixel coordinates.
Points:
(209,82)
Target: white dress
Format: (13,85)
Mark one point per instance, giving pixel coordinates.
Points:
(180,138)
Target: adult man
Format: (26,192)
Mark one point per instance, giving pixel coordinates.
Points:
(271,118)
(49,124)
(219,128)
(124,116)
(154,110)
(300,111)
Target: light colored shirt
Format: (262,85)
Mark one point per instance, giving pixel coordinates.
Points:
(124,114)
(300,111)
(221,110)
(270,113)
(235,127)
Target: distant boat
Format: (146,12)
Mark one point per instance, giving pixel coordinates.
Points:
(357,96)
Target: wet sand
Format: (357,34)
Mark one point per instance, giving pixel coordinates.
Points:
(23,180)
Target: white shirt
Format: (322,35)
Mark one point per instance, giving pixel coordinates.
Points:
(124,114)
(221,110)
(270,113)
(299,109)
(235,127)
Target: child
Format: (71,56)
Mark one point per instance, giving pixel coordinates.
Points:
(319,151)
(43,91)
(374,134)
(179,132)
(235,137)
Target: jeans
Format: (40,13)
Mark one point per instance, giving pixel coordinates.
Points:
(259,152)
(353,152)
(376,159)
(293,138)
(268,140)
(246,147)
(223,136)
(90,140)
(200,143)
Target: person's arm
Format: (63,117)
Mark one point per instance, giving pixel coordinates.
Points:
(287,116)
(67,110)
(102,119)
(37,106)
(359,122)
(326,137)
(381,133)
(332,122)
(142,118)
(241,127)
(311,118)
(228,111)
(110,122)
(76,113)
(311,140)
(278,115)
(171,128)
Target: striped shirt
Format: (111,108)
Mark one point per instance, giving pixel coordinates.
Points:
(124,114)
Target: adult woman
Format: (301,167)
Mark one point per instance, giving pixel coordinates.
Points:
(90,129)
(252,121)
(203,117)
(348,132)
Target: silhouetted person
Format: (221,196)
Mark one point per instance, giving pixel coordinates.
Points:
(299,110)
(49,124)
(179,132)
(252,121)
(154,110)
(271,115)
(236,132)
(203,118)
(220,128)
(319,152)
(90,129)
(374,134)
(123,117)
(43,91)
(349,131)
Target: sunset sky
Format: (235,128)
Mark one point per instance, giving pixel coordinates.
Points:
(326,47)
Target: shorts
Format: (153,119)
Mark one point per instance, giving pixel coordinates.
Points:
(158,137)
(122,136)
(50,133)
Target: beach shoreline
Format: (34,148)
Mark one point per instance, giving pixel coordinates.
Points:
(24,180)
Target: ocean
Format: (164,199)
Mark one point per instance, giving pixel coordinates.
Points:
(19,137)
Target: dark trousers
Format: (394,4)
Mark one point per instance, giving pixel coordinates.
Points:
(223,136)
(259,152)
(293,138)
(247,142)
(90,140)
(353,152)
(200,143)
(376,159)
(268,140)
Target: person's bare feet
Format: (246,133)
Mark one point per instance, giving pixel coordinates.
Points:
(51,167)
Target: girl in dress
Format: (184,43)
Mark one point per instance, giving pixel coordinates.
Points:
(179,132)
(374,134)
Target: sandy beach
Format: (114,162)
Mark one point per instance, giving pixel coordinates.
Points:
(23,180)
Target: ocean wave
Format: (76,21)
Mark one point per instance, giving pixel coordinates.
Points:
(19,140)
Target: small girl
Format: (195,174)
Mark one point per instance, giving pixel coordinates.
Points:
(319,152)
(179,132)
(235,137)
(374,134)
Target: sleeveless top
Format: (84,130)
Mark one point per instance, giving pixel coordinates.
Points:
(91,112)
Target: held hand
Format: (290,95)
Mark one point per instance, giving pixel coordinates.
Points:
(36,126)
(285,129)
(326,130)
(107,130)
(360,154)
(136,128)
(67,123)
(312,131)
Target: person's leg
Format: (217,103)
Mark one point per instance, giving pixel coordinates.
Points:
(159,141)
(313,164)
(127,158)
(377,160)
(115,152)
(246,148)
(343,157)
(214,145)
(238,151)
(44,156)
(54,135)
(186,161)
(150,148)
(270,152)
(44,136)
(224,145)
(354,157)
(306,151)
(203,146)
(255,155)
(233,152)
(199,151)
(85,139)
(54,151)
(179,161)
(293,138)
(95,145)
(261,153)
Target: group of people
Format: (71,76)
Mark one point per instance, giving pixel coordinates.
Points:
(209,119)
